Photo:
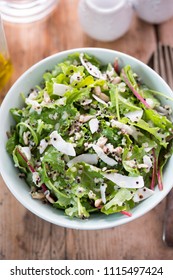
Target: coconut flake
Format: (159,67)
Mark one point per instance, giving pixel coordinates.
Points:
(103,156)
(148,149)
(46,99)
(35,178)
(75,77)
(109,147)
(34,105)
(60,89)
(61,145)
(86,102)
(93,125)
(103,192)
(110,73)
(100,100)
(27,152)
(87,158)
(92,69)
(125,181)
(85,118)
(150,102)
(101,141)
(142,194)
(130,163)
(65,115)
(142,165)
(61,101)
(91,194)
(26,135)
(122,87)
(134,116)
(128,129)
(33,95)
(147,161)
(43,145)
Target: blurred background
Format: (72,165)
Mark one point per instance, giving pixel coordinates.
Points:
(22,234)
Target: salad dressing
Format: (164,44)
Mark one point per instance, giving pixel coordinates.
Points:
(5,70)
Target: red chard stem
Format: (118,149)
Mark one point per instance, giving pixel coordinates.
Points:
(138,96)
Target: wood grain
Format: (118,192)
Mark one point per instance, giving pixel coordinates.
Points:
(165,32)
(22,234)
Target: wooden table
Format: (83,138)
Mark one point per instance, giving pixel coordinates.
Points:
(22,234)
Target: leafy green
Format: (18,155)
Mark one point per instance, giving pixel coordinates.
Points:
(11,143)
(117,201)
(54,159)
(92,110)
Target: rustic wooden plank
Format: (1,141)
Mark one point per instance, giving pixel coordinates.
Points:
(58,243)
(22,234)
(165,32)
(140,239)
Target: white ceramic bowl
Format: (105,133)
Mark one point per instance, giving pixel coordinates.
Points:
(20,190)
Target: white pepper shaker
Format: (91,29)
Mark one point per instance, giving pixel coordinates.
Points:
(155,11)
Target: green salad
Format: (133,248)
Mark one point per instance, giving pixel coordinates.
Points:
(91,138)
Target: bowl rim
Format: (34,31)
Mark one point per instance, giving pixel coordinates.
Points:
(79,225)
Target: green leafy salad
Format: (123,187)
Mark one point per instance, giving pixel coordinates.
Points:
(91,138)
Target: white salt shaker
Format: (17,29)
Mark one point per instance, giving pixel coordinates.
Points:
(105,20)
(153,11)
